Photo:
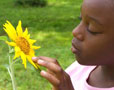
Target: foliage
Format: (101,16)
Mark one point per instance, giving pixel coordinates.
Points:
(32,2)
(51,26)
(3,38)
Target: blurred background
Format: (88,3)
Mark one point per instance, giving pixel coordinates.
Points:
(50,22)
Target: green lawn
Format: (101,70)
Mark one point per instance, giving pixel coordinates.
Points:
(51,26)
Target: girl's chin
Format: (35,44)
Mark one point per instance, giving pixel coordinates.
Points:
(83,61)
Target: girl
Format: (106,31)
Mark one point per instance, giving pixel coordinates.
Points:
(93,45)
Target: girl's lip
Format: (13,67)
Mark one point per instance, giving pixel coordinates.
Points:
(75,50)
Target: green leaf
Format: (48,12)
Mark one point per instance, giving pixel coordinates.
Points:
(11,50)
(6,65)
(3,38)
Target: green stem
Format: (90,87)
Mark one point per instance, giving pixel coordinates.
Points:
(11,72)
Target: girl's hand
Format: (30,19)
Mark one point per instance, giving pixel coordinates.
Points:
(59,79)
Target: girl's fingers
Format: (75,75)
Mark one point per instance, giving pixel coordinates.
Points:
(35,59)
(45,59)
(57,70)
(52,79)
(51,64)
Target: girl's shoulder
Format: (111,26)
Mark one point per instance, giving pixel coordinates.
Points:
(79,74)
(76,68)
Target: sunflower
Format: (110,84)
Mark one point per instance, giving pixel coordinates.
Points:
(21,42)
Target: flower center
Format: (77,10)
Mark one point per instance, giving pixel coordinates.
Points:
(23,44)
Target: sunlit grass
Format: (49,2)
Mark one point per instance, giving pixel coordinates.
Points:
(51,26)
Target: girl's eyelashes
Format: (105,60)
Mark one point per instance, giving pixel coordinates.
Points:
(80,18)
(94,33)
(90,31)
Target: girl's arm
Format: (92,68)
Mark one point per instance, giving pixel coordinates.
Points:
(59,79)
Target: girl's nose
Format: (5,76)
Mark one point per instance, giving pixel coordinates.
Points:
(78,32)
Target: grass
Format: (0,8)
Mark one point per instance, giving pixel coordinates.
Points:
(51,26)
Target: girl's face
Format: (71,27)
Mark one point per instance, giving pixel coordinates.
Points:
(93,42)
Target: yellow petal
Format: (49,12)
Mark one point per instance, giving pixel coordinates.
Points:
(28,36)
(10,35)
(19,29)
(10,30)
(25,32)
(30,60)
(23,57)
(11,43)
(37,65)
(17,52)
(32,41)
(36,47)
(32,53)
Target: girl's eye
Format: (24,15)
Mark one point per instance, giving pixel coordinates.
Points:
(80,18)
(94,33)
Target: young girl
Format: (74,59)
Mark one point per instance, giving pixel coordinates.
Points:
(93,45)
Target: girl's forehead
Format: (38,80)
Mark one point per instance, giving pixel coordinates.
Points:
(102,10)
(103,4)
(108,4)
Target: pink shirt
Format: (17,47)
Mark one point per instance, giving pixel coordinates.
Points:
(79,74)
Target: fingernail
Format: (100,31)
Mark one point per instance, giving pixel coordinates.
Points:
(34,58)
(43,72)
(40,61)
